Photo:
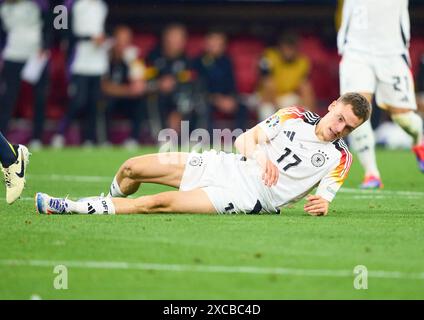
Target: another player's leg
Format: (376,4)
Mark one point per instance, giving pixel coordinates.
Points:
(358,75)
(14,160)
(363,143)
(8,152)
(161,168)
(412,123)
(194,201)
(396,93)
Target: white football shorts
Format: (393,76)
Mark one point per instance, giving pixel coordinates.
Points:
(231,183)
(388,77)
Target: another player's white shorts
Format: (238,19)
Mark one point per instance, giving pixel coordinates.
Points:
(232,184)
(390,78)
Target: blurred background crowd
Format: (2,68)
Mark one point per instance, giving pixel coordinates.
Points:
(117,72)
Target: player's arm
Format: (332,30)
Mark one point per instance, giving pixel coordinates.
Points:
(248,145)
(318,204)
(247,142)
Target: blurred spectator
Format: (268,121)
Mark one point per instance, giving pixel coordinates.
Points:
(170,68)
(420,86)
(26,39)
(215,71)
(124,84)
(89,62)
(284,79)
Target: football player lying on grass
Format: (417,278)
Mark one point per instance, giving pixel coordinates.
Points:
(280,161)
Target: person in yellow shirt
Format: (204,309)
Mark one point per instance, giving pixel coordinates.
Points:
(284,77)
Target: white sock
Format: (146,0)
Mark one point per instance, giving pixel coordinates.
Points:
(412,123)
(95,205)
(115,190)
(363,143)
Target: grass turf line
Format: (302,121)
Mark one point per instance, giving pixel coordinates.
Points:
(383,232)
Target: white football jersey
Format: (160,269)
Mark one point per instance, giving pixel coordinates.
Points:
(88,20)
(23,23)
(303,160)
(379,27)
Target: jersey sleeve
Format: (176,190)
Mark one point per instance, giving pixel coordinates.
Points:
(275,123)
(332,182)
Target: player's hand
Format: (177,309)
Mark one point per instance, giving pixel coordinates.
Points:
(270,171)
(270,174)
(316,205)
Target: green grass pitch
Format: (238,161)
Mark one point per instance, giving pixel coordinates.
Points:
(287,256)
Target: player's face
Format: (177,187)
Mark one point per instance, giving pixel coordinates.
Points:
(339,121)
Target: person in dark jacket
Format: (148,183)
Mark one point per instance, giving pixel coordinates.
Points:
(215,71)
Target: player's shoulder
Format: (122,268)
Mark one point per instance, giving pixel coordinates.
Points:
(341,146)
(298,112)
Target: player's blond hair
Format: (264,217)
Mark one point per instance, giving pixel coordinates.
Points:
(360,105)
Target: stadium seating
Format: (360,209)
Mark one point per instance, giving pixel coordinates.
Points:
(244,52)
(145,43)
(324,70)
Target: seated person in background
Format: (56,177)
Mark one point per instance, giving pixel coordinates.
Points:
(171,72)
(215,72)
(124,84)
(284,81)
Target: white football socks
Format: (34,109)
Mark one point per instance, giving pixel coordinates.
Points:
(95,205)
(115,190)
(412,123)
(363,143)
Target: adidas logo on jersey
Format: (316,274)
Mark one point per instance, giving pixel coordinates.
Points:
(289,134)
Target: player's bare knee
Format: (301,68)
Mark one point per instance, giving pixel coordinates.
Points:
(128,169)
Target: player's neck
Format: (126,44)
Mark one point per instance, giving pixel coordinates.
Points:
(319,133)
